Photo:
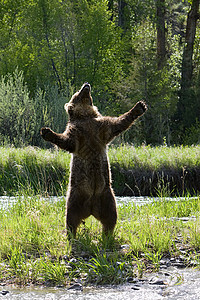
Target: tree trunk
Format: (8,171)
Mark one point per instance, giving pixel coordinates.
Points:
(45,24)
(110,8)
(189,43)
(121,14)
(188,104)
(161,48)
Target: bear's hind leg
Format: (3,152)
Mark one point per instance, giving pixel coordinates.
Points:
(108,212)
(76,211)
(109,225)
(73,220)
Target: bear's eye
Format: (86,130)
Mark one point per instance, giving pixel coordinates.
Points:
(70,111)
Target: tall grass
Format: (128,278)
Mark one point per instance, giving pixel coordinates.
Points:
(153,171)
(33,170)
(136,170)
(155,158)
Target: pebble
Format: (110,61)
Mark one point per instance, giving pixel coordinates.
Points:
(60,286)
(136,288)
(165,262)
(124,249)
(156,281)
(65,257)
(179,265)
(4,293)
(132,280)
(73,260)
(76,287)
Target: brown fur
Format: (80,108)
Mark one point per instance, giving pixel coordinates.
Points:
(86,137)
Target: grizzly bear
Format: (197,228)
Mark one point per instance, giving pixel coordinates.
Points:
(86,136)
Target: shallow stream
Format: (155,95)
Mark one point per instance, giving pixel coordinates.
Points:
(172,284)
(169,283)
(6,201)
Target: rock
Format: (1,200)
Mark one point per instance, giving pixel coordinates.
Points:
(85,255)
(132,280)
(136,288)
(165,262)
(60,286)
(193,263)
(124,249)
(179,265)
(4,293)
(73,261)
(167,274)
(76,287)
(182,250)
(156,281)
(163,267)
(65,257)
(172,259)
(125,246)
(182,257)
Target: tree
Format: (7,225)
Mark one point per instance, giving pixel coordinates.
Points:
(160,24)
(187,64)
(188,106)
(122,5)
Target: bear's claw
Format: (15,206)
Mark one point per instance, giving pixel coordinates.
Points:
(143,105)
(140,107)
(46,133)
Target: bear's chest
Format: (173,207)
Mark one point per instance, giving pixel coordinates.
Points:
(89,140)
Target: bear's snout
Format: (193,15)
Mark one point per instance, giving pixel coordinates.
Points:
(86,87)
(84,95)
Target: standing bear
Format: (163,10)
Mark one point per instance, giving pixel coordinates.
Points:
(86,136)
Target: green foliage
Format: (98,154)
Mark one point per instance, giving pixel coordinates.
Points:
(57,45)
(61,42)
(192,135)
(53,272)
(22,116)
(104,269)
(100,45)
(157,87)
(17,111)
(155,158)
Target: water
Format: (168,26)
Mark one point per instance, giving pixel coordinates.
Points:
(6,201)
(177,284)
(170,283)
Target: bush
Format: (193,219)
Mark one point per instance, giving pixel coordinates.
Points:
(22,116)
(192,135)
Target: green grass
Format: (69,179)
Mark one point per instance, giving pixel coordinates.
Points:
(33,244)
(155,158)
(136,170)
(155,171)
(33,170)
(34,248)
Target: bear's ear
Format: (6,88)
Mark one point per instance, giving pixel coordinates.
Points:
(65,106)
(69,109)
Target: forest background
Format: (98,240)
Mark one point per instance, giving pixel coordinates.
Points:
(127,50)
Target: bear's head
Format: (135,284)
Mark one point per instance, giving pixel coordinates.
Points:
(81,104)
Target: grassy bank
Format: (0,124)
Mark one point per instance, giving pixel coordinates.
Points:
(135,171)
(34,248)
(34,171)
(156,170)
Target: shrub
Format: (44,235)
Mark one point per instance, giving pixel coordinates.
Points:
(22,116)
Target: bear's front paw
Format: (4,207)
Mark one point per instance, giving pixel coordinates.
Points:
(141,107)
(46,133)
